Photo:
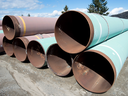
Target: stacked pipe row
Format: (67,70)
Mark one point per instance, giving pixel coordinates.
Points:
(91,39)
(100,43)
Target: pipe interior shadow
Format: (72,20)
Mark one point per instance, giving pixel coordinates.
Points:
(91,67)
(36,54)
(75,26)
(59,61)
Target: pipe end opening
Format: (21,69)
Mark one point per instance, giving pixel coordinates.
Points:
(58,60)
(10,27)
(8,46)
(73,31)
(20,49)
(94,72)
(36,54)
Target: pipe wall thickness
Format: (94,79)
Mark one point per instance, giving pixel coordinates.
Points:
(58,60)
(20,46)
(37,50)
(18,26)
(75,31)
(97,68)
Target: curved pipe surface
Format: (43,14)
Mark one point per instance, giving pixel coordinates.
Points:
(8,46)
(37,49)
(20,46)
(0,22)
(75,31)
(58,60)
(1,28)
(97,68)
(18,26)
(1,42)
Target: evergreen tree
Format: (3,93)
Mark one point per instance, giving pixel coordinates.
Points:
(28,15)
(22,15)
(98,6)
(65,9)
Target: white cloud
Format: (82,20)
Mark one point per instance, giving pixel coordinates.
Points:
(55,13)
(28,4)
(117,11)
(80,9)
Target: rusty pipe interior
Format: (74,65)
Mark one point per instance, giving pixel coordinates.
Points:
(20,48)
(70,29)
(36,54)
(10,27)
(8,46)
(94,71)
(58,60)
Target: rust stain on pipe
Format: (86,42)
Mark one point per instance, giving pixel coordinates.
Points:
(67,30)
(95,75)
(1,42)
(58,60)
(8,46)
(18,26)
(20,46)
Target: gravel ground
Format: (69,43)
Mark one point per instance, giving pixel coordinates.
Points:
(22,79)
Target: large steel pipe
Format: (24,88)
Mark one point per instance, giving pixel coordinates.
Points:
(97,68)
(58,60)
(20,46)
(1,28)
(0,22)
(1,41)
(18,26)
(37,49)
(75,30)
(8,46)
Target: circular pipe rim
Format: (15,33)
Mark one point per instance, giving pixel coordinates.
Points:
(59,32)
(53,54)
(8,46)
(20,50)
(107,59)
(37,53)
(10,26)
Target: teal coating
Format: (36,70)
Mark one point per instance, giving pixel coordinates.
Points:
(106,27)
(1,31)
(116,49)
(45,43)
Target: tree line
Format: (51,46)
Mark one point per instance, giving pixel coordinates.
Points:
(97,6)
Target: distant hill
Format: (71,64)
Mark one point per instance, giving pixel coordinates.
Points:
(121,15)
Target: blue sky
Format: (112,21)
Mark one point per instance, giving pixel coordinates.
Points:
(53,8)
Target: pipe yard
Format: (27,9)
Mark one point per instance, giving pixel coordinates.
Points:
(76,54)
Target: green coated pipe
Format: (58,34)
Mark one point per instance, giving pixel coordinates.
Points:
(1,31)
(75,31)
(37,49)
(97,68)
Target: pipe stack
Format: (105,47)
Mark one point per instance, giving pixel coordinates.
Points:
(95,69)
(93,46)
(16,27)
(19,26)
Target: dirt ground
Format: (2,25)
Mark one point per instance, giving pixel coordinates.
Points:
(23,79)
